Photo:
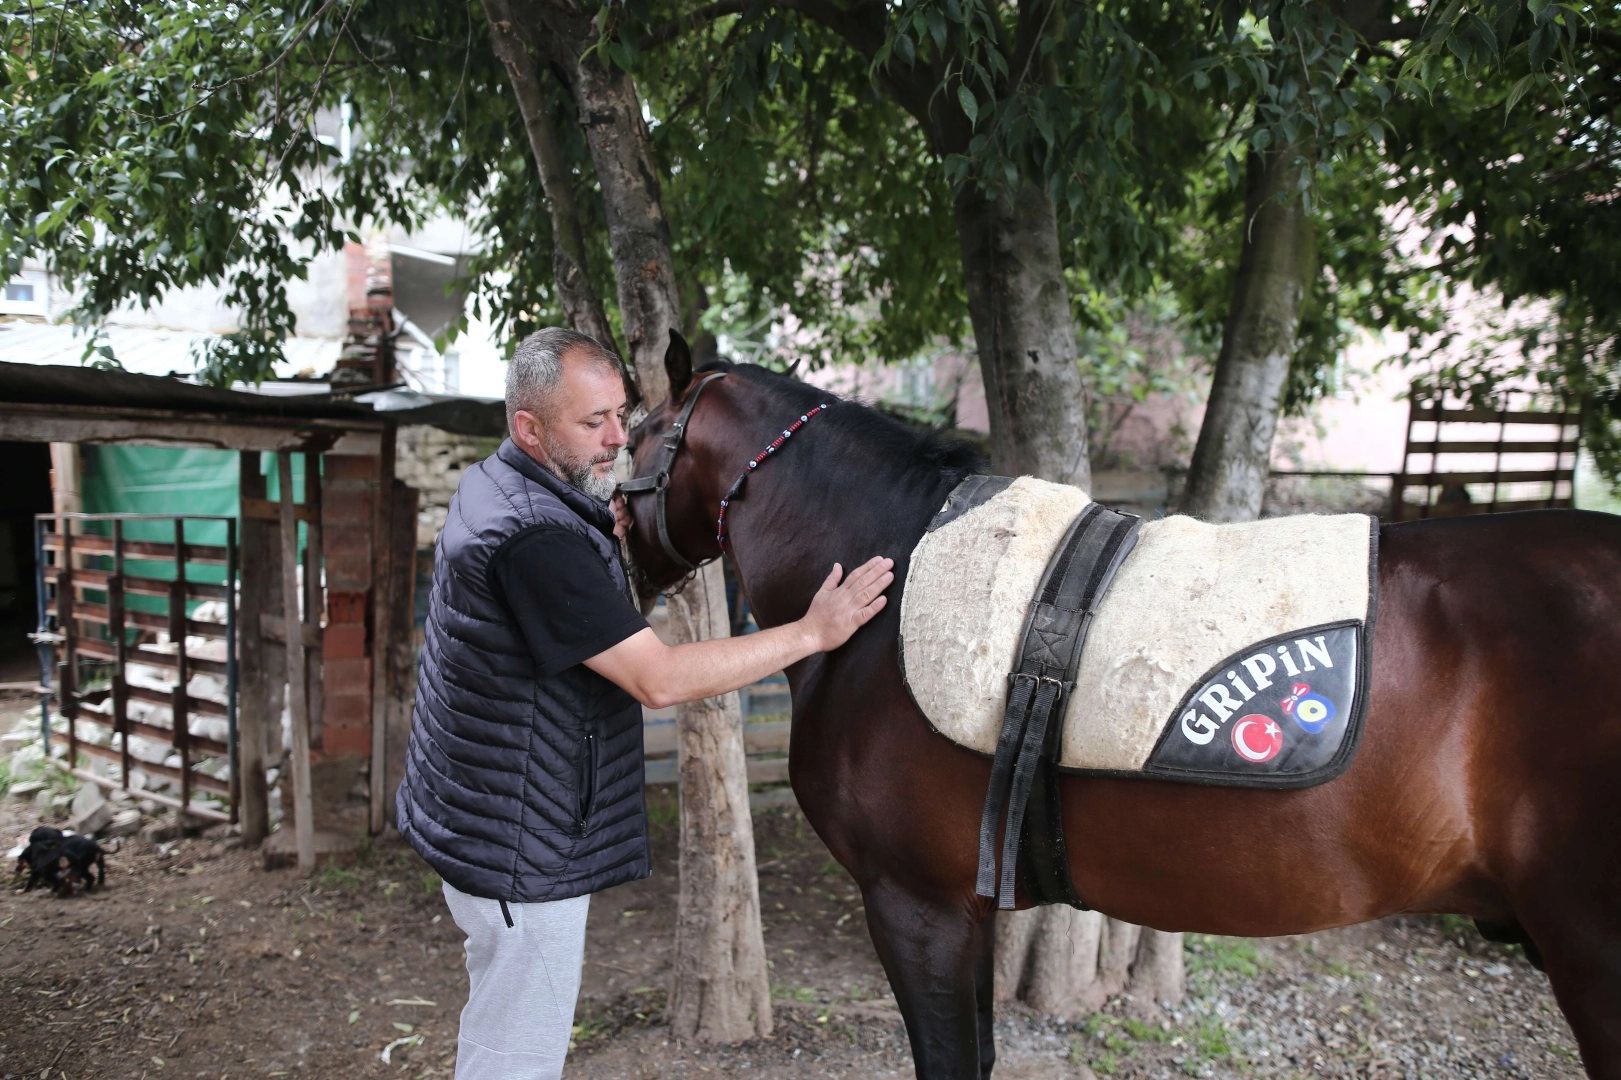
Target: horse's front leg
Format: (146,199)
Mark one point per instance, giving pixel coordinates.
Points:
(939,959)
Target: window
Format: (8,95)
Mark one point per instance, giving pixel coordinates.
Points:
(20,292)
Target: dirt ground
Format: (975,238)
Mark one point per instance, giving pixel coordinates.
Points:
(196,962)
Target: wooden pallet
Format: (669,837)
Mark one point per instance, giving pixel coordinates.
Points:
(1461,460)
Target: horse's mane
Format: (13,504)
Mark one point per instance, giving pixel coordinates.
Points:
(914,454)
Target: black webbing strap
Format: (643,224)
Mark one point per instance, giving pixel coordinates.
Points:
(659,482)
(1031,740)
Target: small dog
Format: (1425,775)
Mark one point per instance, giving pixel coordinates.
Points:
(78,858)
(40,841)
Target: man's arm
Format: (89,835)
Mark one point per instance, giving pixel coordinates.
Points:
(657,674)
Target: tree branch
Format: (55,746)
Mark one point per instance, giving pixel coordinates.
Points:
(580,301)
(862,26)
(692,20)
(1031,24)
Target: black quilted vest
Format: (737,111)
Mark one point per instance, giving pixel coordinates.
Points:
(517,788)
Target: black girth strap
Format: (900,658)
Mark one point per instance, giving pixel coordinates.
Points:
(660,480)
(1023,773)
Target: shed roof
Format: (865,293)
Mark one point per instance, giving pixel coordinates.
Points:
(57,403)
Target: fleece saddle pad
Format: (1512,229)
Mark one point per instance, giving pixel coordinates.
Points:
(1233,654)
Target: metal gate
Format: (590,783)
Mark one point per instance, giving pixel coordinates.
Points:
(129,669)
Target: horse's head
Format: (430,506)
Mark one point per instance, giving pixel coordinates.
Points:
(673,497)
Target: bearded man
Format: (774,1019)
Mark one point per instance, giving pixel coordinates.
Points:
(523,780)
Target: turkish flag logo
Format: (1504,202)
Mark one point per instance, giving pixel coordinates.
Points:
(1257,738)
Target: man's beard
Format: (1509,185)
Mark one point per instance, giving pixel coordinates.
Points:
(580,472)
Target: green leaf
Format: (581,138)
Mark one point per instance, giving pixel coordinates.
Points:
(965,98)
(1518,91)
(905,49)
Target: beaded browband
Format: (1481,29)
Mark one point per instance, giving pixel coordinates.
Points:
(737,488)
(659,481)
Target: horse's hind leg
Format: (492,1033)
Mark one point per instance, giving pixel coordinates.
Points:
(939,961)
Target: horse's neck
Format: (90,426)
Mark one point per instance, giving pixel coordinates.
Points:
(791,532)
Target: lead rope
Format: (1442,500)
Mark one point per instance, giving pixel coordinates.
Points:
(736,490)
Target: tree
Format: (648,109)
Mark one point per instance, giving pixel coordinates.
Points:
(189,156)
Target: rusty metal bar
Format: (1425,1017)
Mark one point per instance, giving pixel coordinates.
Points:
(115,627)
(230,670)
(180,709)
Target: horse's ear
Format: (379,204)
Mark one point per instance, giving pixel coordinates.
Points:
(678,365)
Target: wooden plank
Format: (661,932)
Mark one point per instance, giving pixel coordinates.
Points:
(761,771)
(158,734)
(273,628)
(1442,446)
(105,753)
(399,649)
(145,586)
(767,738)
(382,618)
(149,655)
(147,619)
(297,693)
(199,705)
(265,510)
(165,427)
(257,659)
(1411,511)
(1446,479)
(1426,415)
(107,782)
(84,544)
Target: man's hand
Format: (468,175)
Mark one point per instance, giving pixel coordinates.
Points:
(657,674)
(837,611)
(621,514)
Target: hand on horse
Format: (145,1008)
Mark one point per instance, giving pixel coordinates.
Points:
(839,610)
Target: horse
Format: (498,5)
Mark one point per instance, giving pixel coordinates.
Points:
(1487,783)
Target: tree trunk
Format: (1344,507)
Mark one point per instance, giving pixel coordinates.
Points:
(1227,478)
(721,987)
(721,991)
(1067,963)
(581,304)
(639,234)
(1024,335)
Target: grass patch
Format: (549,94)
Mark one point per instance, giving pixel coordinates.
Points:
(793,993)
(1213,955)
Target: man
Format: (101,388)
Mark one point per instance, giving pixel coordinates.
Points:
(523,780)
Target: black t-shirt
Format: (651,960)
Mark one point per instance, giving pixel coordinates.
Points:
(563,597)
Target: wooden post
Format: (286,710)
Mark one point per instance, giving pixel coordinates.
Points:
(259,557)
(399,649)
(382,626)
(298,701)
(314,596)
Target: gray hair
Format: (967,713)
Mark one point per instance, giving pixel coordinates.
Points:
(537,365)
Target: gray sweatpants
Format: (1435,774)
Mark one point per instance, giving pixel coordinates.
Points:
(524,981)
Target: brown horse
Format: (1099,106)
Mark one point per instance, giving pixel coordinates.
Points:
(1488,782)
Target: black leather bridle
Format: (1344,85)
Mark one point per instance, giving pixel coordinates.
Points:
(659,482)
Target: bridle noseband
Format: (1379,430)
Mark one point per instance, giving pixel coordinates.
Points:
(660,480)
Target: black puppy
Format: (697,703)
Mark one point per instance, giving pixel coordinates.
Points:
(75,859)
(40,841)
